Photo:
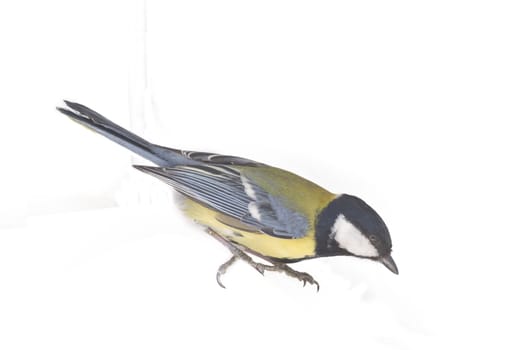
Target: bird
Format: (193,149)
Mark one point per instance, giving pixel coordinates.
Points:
(255,209)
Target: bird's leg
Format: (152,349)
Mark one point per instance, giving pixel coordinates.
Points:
(238,253)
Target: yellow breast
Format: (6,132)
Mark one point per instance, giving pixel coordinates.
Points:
(263,244)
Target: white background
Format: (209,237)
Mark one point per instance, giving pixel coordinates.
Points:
(410,105)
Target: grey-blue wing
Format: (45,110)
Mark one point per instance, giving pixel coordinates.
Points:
(227,191)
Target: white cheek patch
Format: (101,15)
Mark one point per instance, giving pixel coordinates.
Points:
(350,238)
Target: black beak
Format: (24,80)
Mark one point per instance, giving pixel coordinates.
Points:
(388,261)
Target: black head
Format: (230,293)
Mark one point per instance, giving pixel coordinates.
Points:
(349,226)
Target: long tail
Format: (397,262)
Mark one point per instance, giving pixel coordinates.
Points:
(162,156)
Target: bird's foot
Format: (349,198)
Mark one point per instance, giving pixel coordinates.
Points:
(244,257)
(223,268)
(237,253)
(301,276)
(276,267)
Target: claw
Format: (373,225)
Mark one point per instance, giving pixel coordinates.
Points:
(260,269)
(218,279)
(222,270)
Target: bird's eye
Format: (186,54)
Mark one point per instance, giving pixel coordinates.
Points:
(373,238)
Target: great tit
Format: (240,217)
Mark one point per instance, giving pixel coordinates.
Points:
(255,208)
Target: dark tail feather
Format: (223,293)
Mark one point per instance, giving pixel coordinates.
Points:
(159,155)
